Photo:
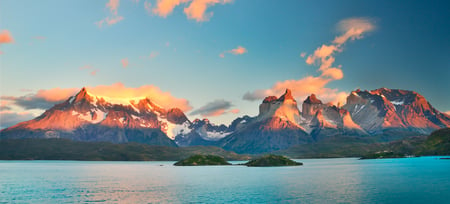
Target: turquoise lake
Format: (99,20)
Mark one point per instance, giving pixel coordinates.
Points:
(348,180)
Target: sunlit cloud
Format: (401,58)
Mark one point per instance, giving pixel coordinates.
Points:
(353,28)
(448,113)
(196,9)
(212,109)
(124,62)
(6,37)
(93,73)
(113,6)
(323,57)
(236,51)
(153,54)
(4,105)
(46,98)
(235,111)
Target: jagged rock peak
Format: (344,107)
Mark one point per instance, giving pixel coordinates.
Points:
(312,99)
(176,115)
(286,96)
(270,99)
(83,94)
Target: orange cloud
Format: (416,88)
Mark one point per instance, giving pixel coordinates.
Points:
(44,99)
(118,90)
(448,113)
(235,111)
(6,37)
(113,6)
(239,50)
(303,54)
(124,62)
(165,7)
(56,94)
(236,51)
(93,73)
(196,9)
(323,57)
(333,73)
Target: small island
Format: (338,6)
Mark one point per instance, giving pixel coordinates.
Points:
(202,160)
(271,161)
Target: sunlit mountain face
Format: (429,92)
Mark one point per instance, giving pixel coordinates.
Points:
(279,125)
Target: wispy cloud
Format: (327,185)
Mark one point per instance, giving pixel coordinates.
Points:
(152,55)
(197,9)
(214,108)
(86,67)
(148,7)
(90,68)
(113,6)
(124,62)
(236,51)
(323,57)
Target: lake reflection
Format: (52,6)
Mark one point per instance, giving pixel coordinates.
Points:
(413,180)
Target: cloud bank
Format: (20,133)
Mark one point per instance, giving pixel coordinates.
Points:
(44,99)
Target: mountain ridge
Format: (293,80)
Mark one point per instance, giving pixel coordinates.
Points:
(279,124)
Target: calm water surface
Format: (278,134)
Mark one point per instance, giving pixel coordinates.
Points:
(411,180)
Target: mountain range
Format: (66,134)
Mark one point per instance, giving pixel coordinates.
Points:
(392,113)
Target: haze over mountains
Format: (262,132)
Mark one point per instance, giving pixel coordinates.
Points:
(279,125)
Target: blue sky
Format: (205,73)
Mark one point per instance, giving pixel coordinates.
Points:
(57,44)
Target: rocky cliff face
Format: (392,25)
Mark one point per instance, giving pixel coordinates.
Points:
(276,127)
(384,109)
